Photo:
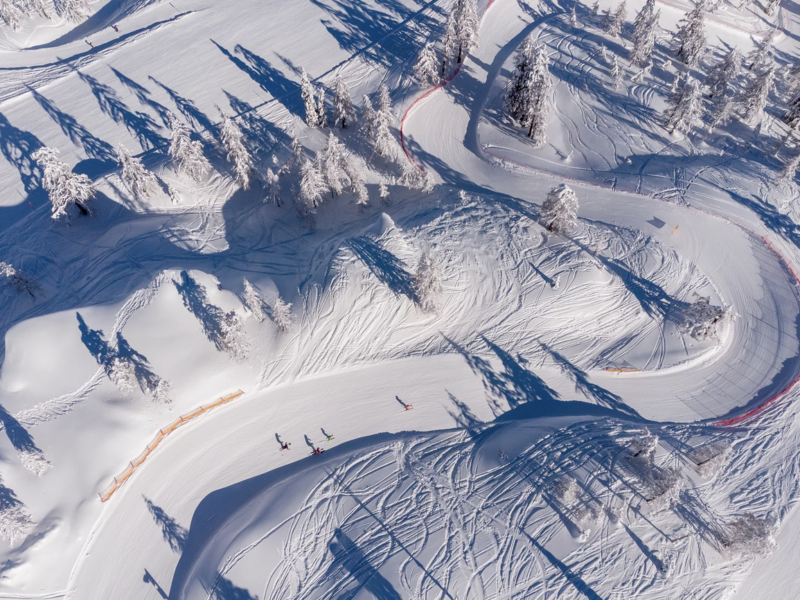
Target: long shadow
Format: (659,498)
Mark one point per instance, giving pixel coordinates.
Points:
(17,434)
(389,269)
(464,417)
(592,390)
(148,578)
(211,317)
(97,346)
(260,133)
(172,532)
(224,589)
(349,557)
(77,133)
(645,550)
(141,125)
(17,147)
(148,381)
(269,79)
(143,96)
(187,108)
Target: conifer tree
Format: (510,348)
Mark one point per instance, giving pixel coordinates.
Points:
(595,9)
(468,25)
(343,110)
(312,184)
(789,169)
(539,108)
(449,41)
(724,74)
(559,211)
(137,179)
(645,30)
(723,112)
(273,188)
(761,52)
(282,314)
(426,69)
(307,94)
(10,14)
(685,107)
(185,153)
(334,165)
(385,143)
(73,10)
(692,36)
(573,17)
(383,192)
(322,108)
(756,95)
(63,187)
(233,142)
(428,283)
(253,301)
(518,98)
(368,119)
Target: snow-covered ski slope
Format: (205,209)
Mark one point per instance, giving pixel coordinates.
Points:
(550,358)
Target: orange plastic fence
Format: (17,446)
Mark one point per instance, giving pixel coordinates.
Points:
(162,433)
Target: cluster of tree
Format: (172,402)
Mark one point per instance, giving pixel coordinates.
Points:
(702,320)
(527,98)
(279,311)
(13,12)
(317,110)
(459,38)
(17,280)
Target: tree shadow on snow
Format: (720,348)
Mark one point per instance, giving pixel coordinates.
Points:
(389,269)
(349,557)
(173,533)
(212,318)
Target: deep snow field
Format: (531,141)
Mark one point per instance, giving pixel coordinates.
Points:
(569,437)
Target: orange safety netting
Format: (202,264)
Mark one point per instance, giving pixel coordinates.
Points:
(162,433)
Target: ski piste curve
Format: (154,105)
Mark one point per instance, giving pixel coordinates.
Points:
(527,168)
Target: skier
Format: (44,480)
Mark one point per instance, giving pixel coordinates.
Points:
(91,45)
(318,451)
(115,28)
(284,446)
(328,436)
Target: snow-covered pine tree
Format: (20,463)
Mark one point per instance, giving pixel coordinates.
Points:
(792,116)
(253,301)
(343,110)
(305,209)
(233,142)
(723,112)
(645,30)
(409,174)
(449,41)
(691,36)
(273,188)
(518,96)
(36,7)
(10,14)
(756,94)
(468,25)
(62,185)
(17,280)
(428,282)
(368,119)
(428,182)
(385,143)
(559,212)
(322,108)
(185,153)
(137,179)
(174,196)
(310,101)
(539,108)
(72,10)
(426,71)
(761,52)
(334,163)
(595,9)
(573,17)
(312,184)
(617,20)
(771,6)
(354,169)
(685,106)
(607,18)
(604,51)
(789,169)
(724,74)
(615,72)
(383,192)
(282,314)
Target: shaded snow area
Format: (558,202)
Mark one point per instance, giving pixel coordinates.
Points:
(297,300)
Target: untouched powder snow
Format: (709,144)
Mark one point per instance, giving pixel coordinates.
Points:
(548,426)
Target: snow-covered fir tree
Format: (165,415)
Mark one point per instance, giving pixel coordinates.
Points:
(789,169)
(573,17)
(604,51)
(428,282)
(607,18)
(426,71)
(309,99)
(771,6)
(334,164)
(63,187)
(518,97)
(17,280)
(174,196)
(186,154)
(702,320)
(409,173)
(10,14)
(465,25)
(37,7)
(343,111)
(685,106)
(723,112)
(539,107)
(559,212)
(595,9)
(368,119)
(304,207)
(615,72)
(135,176)
(282,314)
(233,142)
(792,116)
(761,53)
(645,31)
(72,10)
(312,184)
(383,192)
(385,144)
(756,94)
(322,108)
(616,20)
(724,74)
(272,184)
(691,36)
(428,182)
(449,41)
(253,301)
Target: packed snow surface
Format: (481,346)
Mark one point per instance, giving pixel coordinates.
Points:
(444,397)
